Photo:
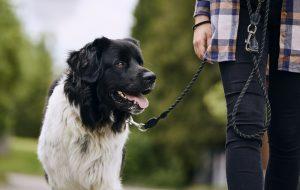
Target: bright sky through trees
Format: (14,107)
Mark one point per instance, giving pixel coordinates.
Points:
(69,24)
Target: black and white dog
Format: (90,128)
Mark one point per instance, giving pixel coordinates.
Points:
(84,129)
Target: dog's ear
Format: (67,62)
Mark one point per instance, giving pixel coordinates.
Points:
(134,41)
(73,60)
(86,63)
(101,43)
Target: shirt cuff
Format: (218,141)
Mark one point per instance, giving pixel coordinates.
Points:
(202,7)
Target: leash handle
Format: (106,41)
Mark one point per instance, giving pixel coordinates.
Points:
(257,59)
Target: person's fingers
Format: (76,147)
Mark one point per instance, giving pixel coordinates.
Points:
(199,49)
(202,46)
(208,39)
(199,46)
(195,45)
(202,39)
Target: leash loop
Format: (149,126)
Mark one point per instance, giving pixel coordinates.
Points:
(257,59)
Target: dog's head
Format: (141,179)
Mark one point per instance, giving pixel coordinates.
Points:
(107,77)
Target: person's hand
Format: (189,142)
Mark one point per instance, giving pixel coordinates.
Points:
(202,36)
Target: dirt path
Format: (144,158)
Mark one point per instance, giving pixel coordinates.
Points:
(26,182)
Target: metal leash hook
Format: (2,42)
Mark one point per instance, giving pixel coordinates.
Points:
(139,126)
(251,41)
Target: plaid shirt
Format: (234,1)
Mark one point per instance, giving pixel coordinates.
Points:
(224,15)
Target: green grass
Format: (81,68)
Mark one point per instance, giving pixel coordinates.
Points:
(22,158)
(203,187)
(2,178)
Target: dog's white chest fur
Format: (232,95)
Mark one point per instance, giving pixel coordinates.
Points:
(73,157)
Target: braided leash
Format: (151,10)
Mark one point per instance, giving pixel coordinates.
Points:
(153,121)
(254,18)
(256,60)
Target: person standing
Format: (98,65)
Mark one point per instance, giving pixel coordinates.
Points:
(219,36)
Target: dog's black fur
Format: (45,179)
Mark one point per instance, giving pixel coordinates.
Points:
(96,72)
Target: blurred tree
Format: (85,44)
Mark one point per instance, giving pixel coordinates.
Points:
(25,72)
(171,155)
(31,90)
(9,68)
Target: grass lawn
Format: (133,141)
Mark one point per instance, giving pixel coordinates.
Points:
(203,187)
(22,158)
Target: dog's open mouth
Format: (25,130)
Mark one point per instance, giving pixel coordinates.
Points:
(139,99)
(134,102)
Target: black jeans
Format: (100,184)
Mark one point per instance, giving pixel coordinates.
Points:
(284,134)
(244,170)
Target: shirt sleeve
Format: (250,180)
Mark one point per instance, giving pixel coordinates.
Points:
(202,7)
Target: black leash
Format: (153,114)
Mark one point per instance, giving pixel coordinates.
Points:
(257,56)
(253,47)
(153,121)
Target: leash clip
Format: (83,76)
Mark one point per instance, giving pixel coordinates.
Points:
(251,42)
(139,126)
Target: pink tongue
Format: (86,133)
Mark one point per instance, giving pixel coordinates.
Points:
(140,100)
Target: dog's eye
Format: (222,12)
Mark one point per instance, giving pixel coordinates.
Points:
(120,64)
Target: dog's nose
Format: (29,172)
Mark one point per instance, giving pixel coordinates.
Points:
(149,77)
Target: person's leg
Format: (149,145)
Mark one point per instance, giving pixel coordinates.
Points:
(243,157)
(284,134)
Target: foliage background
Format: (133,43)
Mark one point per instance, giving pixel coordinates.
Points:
(171,154)
(25,73)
